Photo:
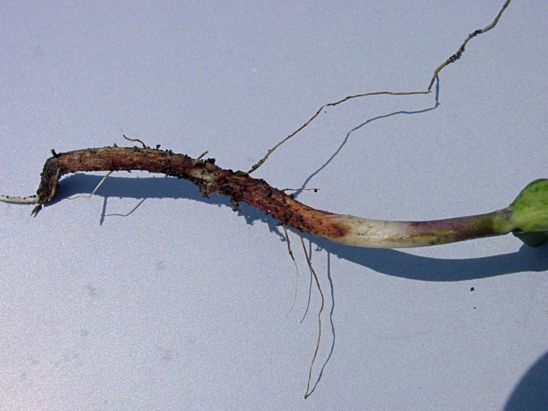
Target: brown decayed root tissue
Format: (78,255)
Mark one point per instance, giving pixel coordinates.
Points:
(209,178)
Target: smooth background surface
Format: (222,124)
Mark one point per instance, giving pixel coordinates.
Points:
(185,305)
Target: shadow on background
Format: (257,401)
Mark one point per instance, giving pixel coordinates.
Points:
(531,393)
(386,261)
(404,265)
(366,122)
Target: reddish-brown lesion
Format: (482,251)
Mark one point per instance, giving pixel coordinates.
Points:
(242,187)
(236,185)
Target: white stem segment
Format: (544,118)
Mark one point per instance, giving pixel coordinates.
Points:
(364,232)
(19,200)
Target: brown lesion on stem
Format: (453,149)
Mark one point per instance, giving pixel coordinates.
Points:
(239,186)
(236,185)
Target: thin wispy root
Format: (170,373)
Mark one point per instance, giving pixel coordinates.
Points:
(309,391)
(451,59)
(527,216)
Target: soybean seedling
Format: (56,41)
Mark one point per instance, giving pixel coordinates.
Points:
(526,217)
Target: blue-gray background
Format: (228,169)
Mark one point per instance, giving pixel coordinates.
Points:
(182,304)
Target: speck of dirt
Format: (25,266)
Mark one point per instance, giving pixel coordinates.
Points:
(91,291)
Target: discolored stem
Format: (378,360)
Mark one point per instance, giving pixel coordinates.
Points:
(240,186)
(402,234)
